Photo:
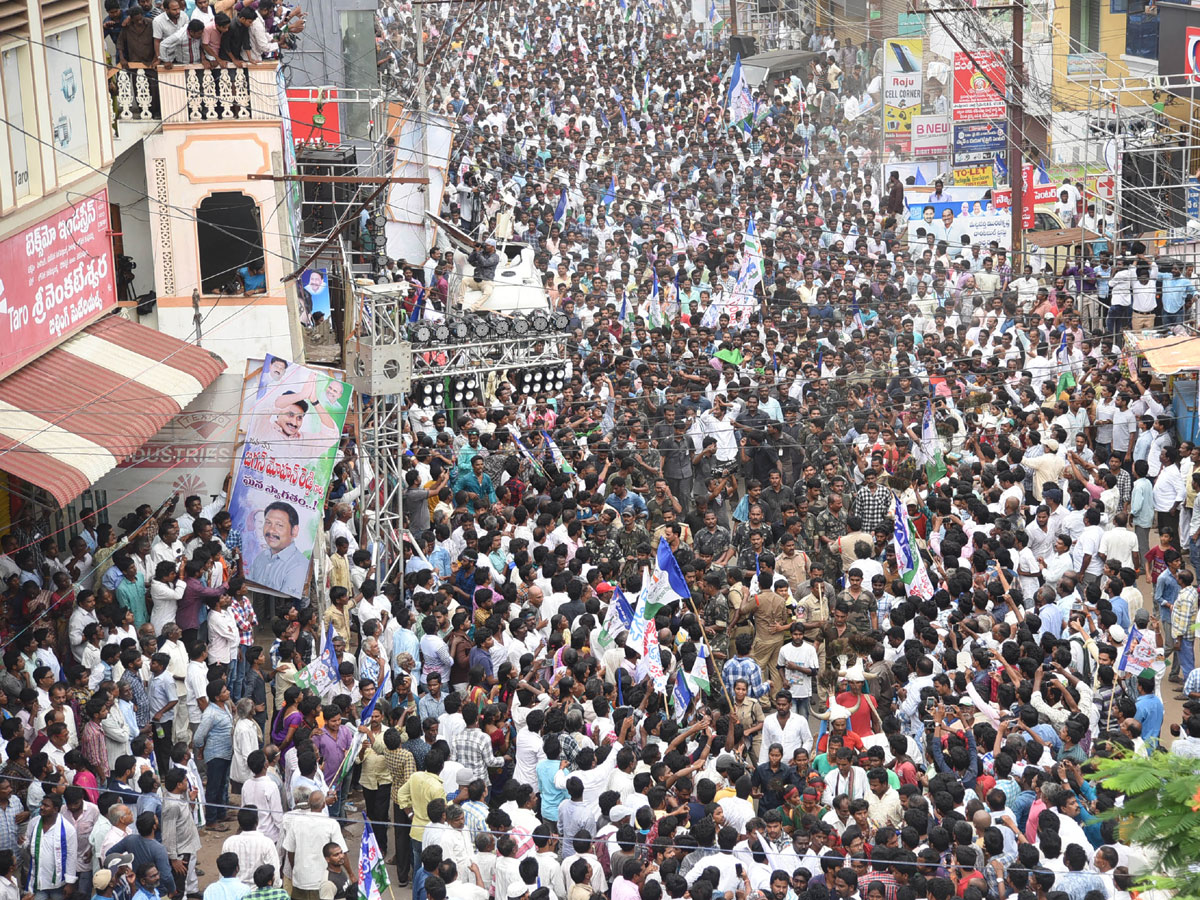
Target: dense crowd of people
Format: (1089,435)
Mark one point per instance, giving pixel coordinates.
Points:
(936,530)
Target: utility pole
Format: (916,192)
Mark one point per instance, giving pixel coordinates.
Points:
(1014,102)
(1016,134)
(419,22)
(733,18)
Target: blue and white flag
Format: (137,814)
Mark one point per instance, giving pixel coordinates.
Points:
(656,314)
(618,619)
(555,43)
(682,697)
(610,195)
(372,873)
(667,583)
(556,455)
(739,101)
(561,210)
(908,560)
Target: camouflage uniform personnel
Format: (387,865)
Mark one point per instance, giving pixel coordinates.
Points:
(603,549)
(628,540)
(832,526)
(741,537)
(714,542)
(716,616)
(859,619)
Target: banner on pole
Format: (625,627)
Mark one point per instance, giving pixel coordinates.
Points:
(292,419)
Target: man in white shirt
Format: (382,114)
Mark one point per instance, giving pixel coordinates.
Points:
(798,662)
(1026,287)
(304,835)
(785,728)
(167,547)
(1169,489)
(846,778)
(262,792)
(341,527)
(252,848)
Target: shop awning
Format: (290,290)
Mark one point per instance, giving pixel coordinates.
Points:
(1168,355)
(82,409)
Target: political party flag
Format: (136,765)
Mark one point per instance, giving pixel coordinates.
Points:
(715,22)
(908,560)
(1066,378)
(919,178)
(1140,654)
(931,447)
(365,718)
(656,316)
(524,451)
(682,697)
(618,618)
(323,670)
(418,307)
(712,315)
(555,43)
(626,10)
(666,584)
(561,210)
(555,454)
(1043,175)
(623,315)
(372,873)
(583,47)
(611,194)
(624,119)
(651,661)
(646,92)
(1000,168)
(856,310)
(739,101)
(698,674)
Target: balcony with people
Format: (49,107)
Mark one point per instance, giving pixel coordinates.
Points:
(200,61)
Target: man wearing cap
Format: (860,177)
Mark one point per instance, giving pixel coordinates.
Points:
(484,259)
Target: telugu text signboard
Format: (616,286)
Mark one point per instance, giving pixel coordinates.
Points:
(292,417)
(55,277)
(979,140)
(979,93)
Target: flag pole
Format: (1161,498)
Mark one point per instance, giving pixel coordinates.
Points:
(711,655)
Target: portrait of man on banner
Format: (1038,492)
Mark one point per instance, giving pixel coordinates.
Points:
(292,417)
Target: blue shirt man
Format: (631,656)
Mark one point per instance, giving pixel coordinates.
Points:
(621,499)
(1175,291)
(1149,712)
(478,486)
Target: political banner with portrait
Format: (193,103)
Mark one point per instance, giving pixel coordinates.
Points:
(968,217)
(291,423)
(314,285)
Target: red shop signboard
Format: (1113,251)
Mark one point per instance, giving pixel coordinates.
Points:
(55,277)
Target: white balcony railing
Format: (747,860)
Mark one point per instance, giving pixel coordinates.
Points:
(195,93)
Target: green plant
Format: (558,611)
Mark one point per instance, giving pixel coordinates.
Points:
(1161,811)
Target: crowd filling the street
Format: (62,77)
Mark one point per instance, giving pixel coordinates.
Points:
(844,558)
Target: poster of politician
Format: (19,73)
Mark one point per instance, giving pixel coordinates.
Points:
(291,419)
